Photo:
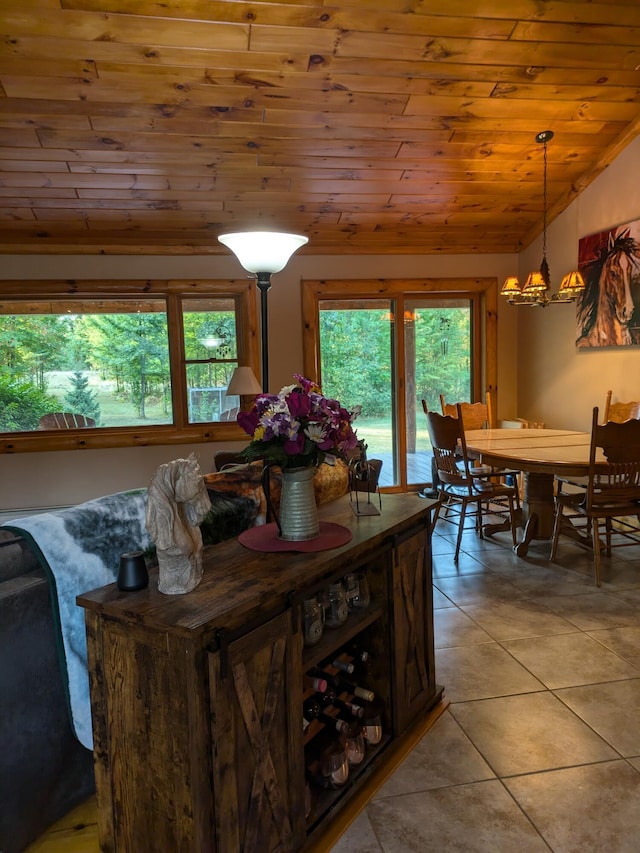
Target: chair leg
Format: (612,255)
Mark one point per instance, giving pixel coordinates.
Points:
(512,513)
(436,512)
(608,527)
(463,511)
(557,522)
(595,530)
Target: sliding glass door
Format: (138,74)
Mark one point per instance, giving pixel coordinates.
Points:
(437,361)
(357,367)
(387,355)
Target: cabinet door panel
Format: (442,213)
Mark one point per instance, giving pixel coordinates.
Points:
(412,613)
(256,724)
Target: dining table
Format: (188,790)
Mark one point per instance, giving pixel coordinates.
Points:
(540,454)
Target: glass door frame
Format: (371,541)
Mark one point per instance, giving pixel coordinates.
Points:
(482,292)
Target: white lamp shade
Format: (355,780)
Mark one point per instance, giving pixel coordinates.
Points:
(243,382)
(263,251)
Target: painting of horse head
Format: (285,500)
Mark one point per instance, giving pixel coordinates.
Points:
(608,312)
(177,503)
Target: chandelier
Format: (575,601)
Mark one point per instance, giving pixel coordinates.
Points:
(536,287)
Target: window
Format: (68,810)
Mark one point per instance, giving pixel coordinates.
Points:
(211,357)
(148,365)
(363,355)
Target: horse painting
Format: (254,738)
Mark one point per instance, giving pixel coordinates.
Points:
(177,504)
(606,308)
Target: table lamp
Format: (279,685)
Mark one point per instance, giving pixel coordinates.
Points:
(243,383)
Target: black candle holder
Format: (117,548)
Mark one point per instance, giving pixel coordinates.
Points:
(132,573)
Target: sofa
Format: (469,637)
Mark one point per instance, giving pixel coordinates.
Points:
(44,770)
(46,763)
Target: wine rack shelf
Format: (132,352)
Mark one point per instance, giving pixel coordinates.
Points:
(334,638)
(197,699)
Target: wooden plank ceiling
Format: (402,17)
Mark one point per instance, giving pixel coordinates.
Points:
(371,126)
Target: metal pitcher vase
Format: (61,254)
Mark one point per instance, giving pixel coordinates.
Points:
(298,510)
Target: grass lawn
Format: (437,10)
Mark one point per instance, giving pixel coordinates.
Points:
(377,433)
(114,410)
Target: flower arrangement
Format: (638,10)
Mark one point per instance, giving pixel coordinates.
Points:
(298,427)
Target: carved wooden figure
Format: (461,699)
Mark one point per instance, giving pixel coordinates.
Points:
(178,502)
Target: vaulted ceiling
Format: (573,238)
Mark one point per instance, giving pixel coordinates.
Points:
(371,126)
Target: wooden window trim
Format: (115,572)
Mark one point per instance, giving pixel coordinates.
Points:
(13,293)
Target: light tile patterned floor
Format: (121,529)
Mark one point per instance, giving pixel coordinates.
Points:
(539,749)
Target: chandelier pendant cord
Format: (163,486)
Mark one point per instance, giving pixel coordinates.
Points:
(544,202)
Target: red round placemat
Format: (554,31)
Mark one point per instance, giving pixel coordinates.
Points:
(265,538)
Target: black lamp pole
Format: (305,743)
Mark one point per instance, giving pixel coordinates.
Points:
(264,283)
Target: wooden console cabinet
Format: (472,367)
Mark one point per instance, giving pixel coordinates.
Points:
(197,699)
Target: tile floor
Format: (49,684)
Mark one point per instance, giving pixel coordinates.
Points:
(539,749)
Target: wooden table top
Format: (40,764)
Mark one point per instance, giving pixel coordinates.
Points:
(543,451)
(239,583)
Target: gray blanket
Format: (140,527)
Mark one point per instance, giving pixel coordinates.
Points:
(79,549)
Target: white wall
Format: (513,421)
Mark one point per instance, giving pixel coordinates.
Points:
(557,383)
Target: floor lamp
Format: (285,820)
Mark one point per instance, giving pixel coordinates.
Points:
(263,253)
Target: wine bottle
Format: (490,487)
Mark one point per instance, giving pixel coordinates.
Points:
(320,674)
(349,707)
(319,685)
(329,696)
(341,684)
(330,699)
(311,708)
(343,665)
(348,727)
(360,657)
(357,690)
(358,652)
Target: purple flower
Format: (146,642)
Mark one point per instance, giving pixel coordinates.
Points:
(248,421)
(306,384)
(297,425)
(299,404)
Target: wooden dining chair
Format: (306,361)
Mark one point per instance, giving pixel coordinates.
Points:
(619,412)
(458,488)
(480,416)
(612,493)
(476,415)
